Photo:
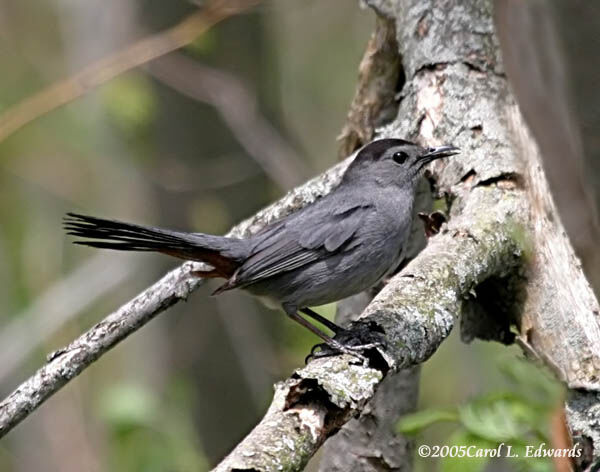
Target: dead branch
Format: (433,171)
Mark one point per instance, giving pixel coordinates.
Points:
(503,253)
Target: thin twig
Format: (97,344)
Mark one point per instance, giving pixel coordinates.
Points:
(105,69)
(66,363)
(317,400)
(57,305)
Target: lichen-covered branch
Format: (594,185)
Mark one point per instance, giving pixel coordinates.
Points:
(503,239)
(68,362)
(370,441)
(456,91)
(417,309)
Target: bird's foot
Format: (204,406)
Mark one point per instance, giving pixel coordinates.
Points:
(358,340)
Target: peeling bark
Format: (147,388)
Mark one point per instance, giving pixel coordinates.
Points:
(502,227)
(380,75)
(66,363)
(417,309)
(306,409)
(456,92)
(370,442)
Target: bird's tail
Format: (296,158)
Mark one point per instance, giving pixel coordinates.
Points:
(222,253)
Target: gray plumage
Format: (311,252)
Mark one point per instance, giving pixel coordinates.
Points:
(340,245)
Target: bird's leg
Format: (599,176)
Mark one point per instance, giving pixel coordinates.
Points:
(321,319)
(348,337)
(358,338)
(329,341)
(333,345)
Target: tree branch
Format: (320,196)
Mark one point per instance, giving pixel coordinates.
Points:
(58,304)
(503,231)
(100,72)
(416,310)
(370,442)
(66,363)
(238,109)
(503,236)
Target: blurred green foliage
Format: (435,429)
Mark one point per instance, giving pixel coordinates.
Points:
(204,45)
(130,102)
(516,418)
(300,341)
(181,392)
(147,437)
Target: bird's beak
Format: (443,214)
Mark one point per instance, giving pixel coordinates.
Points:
(439,152)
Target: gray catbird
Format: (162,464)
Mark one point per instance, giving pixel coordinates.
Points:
(340,245)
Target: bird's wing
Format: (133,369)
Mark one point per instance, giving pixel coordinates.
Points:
(300,240)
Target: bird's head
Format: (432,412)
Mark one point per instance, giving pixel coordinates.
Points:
(393,162)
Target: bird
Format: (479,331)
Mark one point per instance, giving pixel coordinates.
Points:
(341,244)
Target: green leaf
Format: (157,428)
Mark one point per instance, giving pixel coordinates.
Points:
(416,422)
(496,417)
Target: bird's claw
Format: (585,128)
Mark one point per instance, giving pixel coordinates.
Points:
(355,341)
(325,350)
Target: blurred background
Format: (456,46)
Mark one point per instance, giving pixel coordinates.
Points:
(197,140)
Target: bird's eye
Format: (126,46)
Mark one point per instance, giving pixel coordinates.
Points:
(400,157)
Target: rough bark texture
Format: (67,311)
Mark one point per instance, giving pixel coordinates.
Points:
(559,322)
(379,74)
(493,256)
(503,255)
(550,54)
(370,443)
(68,362)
